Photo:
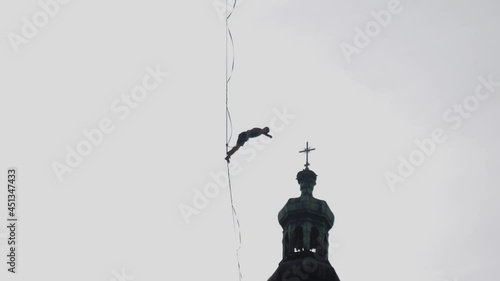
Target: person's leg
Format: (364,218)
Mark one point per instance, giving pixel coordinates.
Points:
(231,152)
(242,138)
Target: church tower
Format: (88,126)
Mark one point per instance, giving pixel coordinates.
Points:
(305,221)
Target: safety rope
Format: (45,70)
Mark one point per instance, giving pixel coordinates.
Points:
(229,134)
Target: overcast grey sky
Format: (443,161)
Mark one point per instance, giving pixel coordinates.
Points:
(399,98)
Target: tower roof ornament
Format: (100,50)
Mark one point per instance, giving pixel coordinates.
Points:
(306,151)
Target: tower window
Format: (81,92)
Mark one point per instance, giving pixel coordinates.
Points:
(314,239)
(298,241)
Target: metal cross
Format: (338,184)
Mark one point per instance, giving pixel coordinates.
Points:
(307,150)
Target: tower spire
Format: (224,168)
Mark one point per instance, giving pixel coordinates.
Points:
(306,222)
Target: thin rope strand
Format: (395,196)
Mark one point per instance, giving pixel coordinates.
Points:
(229,124)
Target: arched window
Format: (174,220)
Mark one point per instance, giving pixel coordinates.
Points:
(314,239)
(298,239)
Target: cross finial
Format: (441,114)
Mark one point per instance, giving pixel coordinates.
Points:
(307,150)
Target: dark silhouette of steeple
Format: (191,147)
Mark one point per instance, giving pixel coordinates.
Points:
(305,221)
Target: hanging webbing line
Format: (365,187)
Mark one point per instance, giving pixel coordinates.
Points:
(229,125)
(236,223)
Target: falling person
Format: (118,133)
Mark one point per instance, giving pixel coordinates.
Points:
(244,136)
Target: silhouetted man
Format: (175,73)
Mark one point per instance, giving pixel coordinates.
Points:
(243,137)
